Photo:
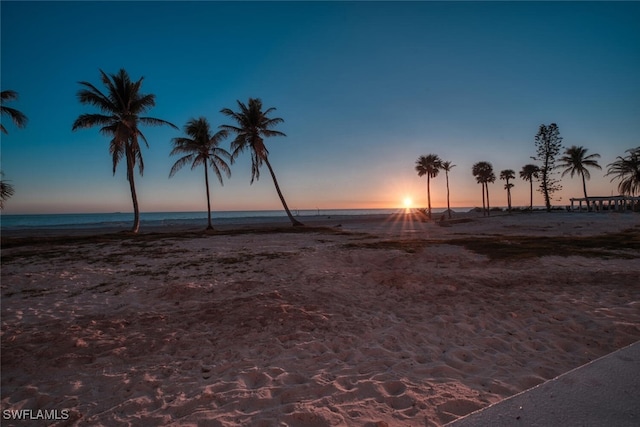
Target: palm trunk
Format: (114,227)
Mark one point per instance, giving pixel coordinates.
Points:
(488,207)
(294,222)
(206,182)
(531,194)
(132,186)
(428,196)
(448,206)
(484,203)
(584,188)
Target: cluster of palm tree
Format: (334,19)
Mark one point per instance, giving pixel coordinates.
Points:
(431,165)
(483,171)
(574,161)
(121,107)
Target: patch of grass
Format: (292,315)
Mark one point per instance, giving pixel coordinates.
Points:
(244,257)
(29,292)
(624,245)
(98,286)
(409,246)
(143,240)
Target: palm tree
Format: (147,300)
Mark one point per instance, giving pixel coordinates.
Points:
(483,171)
(252,125)
(446,167)
(428,165)
(506,175)
(18,118)
(202,149)
(627,170)
(122,105)
(575,161)
(529,173)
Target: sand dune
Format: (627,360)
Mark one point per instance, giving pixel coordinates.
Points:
(390,321)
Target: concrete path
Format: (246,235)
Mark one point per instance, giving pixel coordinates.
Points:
(604,392)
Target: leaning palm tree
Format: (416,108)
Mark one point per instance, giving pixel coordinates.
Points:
(430,166)
(575,161)
(446,167)
(18,118)
(627,170)
(483,171)
(506,175)
(529,173)
(252,125)
(202,149)
(121,105)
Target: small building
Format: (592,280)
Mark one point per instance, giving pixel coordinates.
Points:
(609,203)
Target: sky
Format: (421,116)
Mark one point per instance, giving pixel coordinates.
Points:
(364,89)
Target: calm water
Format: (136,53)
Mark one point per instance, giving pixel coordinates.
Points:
(124,220)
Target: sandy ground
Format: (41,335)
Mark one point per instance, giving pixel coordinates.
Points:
(365,322)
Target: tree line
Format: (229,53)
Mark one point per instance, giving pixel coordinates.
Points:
(548,142)
(122,104)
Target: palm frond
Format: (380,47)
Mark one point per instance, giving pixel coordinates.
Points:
(8,95)
(180,163)
(529,172)
(116,148)
(627,170)
(17,117)
(6,191)
(151,121)
(93,96)
(90,120)
(575,161)
(138,159)
(428,165)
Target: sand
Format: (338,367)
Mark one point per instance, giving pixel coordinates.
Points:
(366,321)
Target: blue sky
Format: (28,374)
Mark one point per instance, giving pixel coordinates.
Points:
(364,88)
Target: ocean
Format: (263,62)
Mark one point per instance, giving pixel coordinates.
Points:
(153,219)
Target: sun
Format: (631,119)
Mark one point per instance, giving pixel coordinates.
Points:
(407,202)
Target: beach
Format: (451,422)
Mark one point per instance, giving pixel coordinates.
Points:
(377,320)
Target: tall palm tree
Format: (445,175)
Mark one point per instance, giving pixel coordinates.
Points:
(18,118)
(627,170)
(446,167)
(529,173)
(483,171)
(202,149)
(121,105)
(252,125)
(428,165)
(575,161)
(506,175)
